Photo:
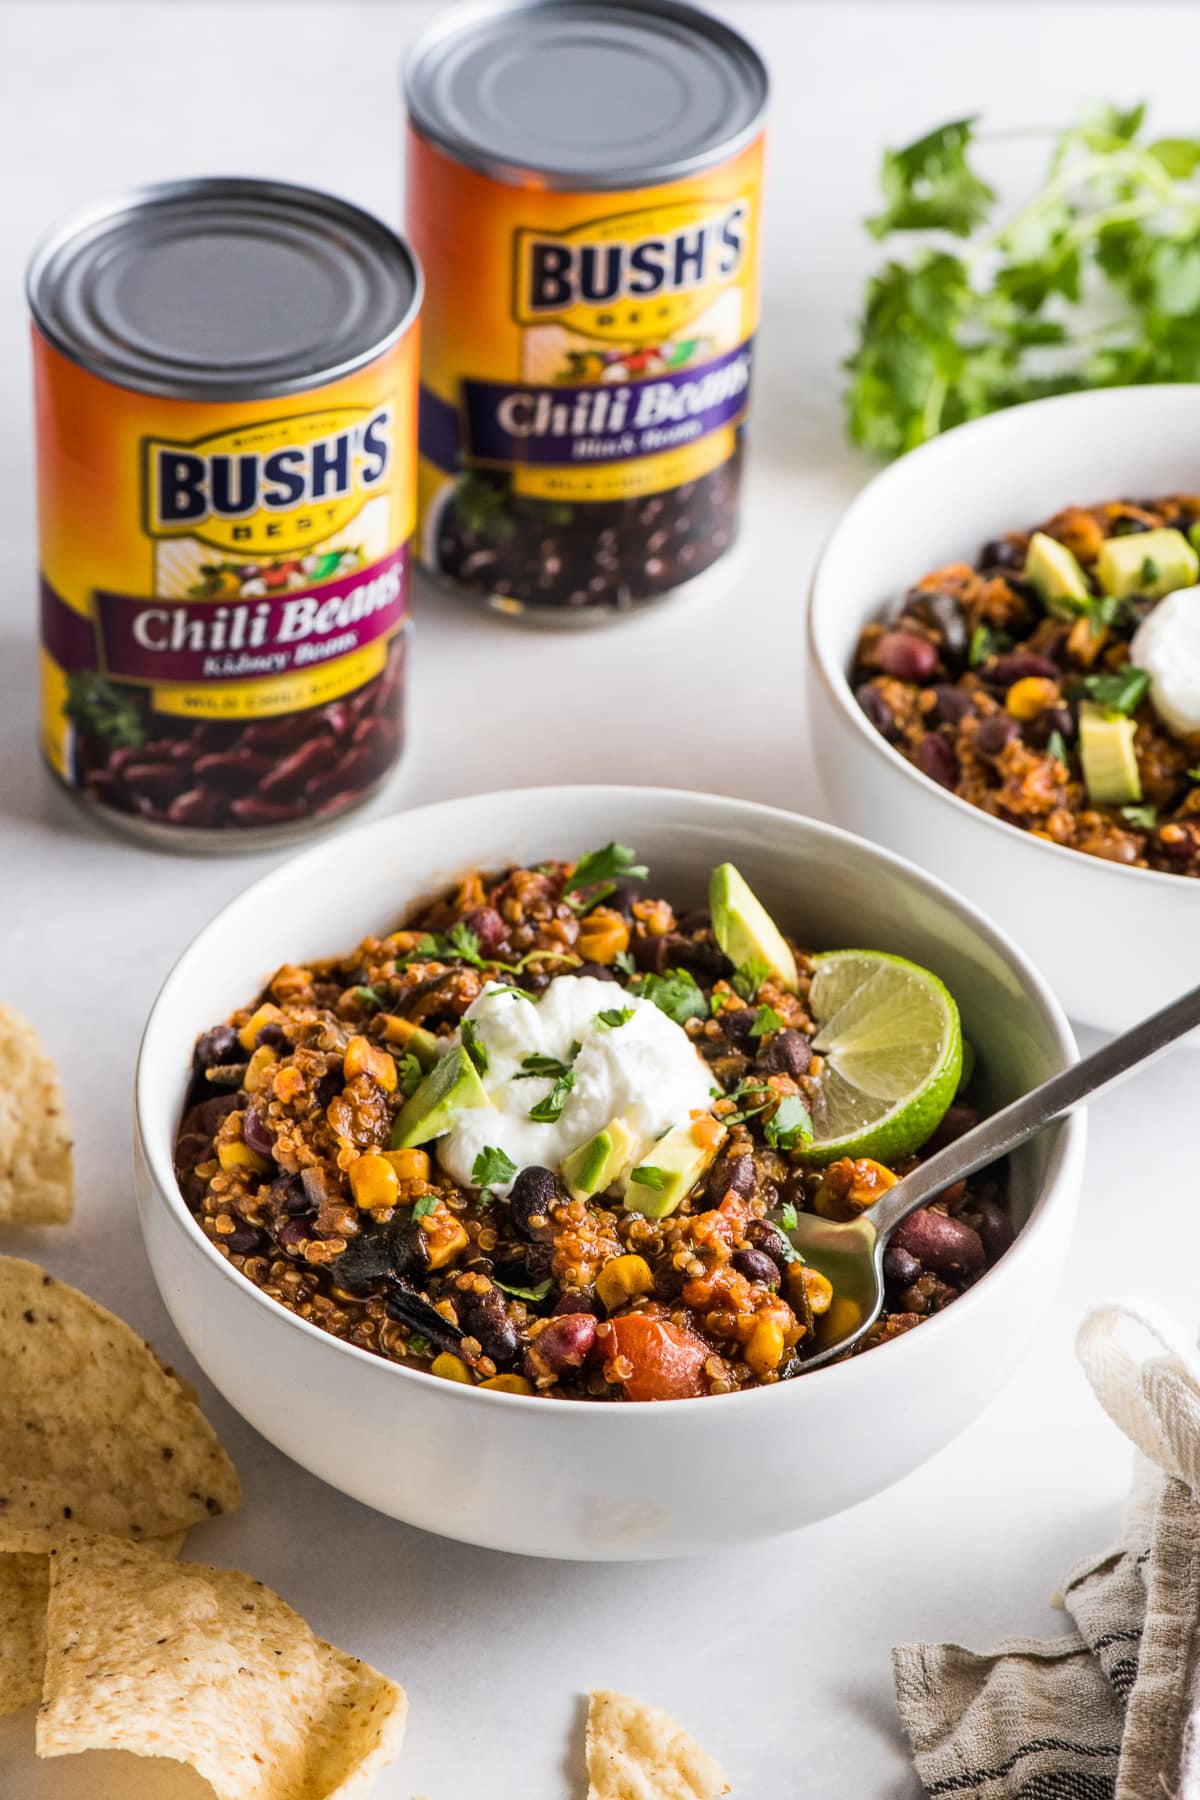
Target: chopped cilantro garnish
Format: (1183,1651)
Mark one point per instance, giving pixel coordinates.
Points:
(536,1064)
(473,1045)
(368,995)
(623,961)
(409,1074)
(1193,774)
(426,949)
(789,1218)
(1145,818)
(1056,744)
(1121,691)
(424,1206)
(465,943)
(986,643)
(766,1020)
(614,861)
(1149,572)
(492,1168)
(789,1127)
(647,1176)
(675,993)
(749,977)
(549,1109)
(613,1016)
(418,1345)
(528,1293)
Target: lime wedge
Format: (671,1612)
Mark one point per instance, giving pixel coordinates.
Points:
(893,1049)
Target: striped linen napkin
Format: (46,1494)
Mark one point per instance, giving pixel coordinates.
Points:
(1111,1712)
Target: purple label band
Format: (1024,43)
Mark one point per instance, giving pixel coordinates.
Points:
(607,421)
(236,639)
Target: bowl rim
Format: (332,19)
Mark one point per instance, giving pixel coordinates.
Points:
(1065,1157)
(821,599)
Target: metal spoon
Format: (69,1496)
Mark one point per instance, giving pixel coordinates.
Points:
(851,1254)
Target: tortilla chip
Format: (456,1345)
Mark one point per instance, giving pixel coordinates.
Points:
(636,1752)
(210,1668)
(36,1186)
(95,1434)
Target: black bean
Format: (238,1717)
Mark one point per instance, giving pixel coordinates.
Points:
(598,971)
(944,613)
(1005,671)
(1039,731)
(756,1265)
(484,1317)
(876,709)
(770,1240)
(953,705)
(788,1053)
(731,1174)
(995,733)
(242,1240)
(900,1266)
(574,1300)
(256,1132)
(1003,553)
(936,758)
(271,1033)
(220,1045)
(534,1192)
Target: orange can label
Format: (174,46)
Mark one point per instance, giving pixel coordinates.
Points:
(224,591)
(581,350)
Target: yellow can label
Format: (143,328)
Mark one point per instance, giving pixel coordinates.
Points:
(225,592)
(589,348)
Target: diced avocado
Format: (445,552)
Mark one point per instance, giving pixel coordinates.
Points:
(745,929)
(595,1165)
(1110,765)
(415,1040)
(451,1086)
(1147,562)
(670,1170)
(1055,576)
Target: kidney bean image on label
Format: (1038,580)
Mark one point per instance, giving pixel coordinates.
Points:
(588,352)
(225,377)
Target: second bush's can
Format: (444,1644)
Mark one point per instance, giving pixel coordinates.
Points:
(584,191)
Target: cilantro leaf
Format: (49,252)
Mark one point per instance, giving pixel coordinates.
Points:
(473,1045)
(1121,691)
(986,643)
(647,1176)
(418,1345)
(749,977)
(613,862)
(1145,818)
(549,1108)
(528,1293)
(369,996)
(789,1218)
(409,1074)
(613,1016)
(1056,744)
(492,1168)
(536,1064)
(100,709)
(790,1127)
(427,948)
(676,993)
(931,184)
(424,1206)
(624,961)
(766,1020)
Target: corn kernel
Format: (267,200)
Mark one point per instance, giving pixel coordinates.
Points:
(410,1165)
(450,1368)
(843,1317)
(1027,698)
(445,1236)
(850,1185)
(264,1015)
(817,1287)
(603,935)
(256,1068)
(233,1154)
(508,1384)
(373,1181)
(365,1058)
(765,1348)
(624,1278)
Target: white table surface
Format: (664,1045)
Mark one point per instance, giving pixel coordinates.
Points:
(777,1654)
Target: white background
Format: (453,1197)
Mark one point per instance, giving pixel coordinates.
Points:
(777,1655)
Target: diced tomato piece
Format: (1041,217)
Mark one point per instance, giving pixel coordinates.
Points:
(668,1363)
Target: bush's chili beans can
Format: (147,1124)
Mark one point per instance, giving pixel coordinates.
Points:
(584,192)
(226,383)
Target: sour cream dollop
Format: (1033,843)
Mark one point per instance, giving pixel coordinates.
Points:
(645,1071)
(1167,645)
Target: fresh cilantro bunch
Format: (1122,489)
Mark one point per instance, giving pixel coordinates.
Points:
(1093,282)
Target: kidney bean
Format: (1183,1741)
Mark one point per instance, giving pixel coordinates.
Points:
(1049,720)
(756,1265)
(488,927)
(770,1240)
(295,1232)
(649,953)
(484,1317)
(994,733)
(534,1192)
(1003,671)
(565,1344)
(953,705)
(273,735)
(788,1053)
(220,1045)
(250,810)
(731,1174)
(906,656)
(943,1245)
(257,1134)
(900,1266)
(352,772)
(994,1226)
(936,758)
(287,780)
(338,717)
(199,806)
(156,782)
(576,1301)
(236,771)
(956,1121)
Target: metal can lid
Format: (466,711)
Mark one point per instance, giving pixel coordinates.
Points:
(586,94)
(223,288)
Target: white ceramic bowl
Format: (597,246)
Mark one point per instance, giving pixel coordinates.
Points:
(552,1478)
(1115,942)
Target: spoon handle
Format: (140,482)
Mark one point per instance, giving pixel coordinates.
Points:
(1025,1117)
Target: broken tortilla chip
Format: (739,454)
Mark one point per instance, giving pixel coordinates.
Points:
(36,1185)
(95,1433)
(207,1667)
(636,1752)
(24,1595)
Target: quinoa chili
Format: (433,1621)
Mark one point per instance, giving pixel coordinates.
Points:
(584,190)
(225,375)
(1055,684)
(519,1278)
